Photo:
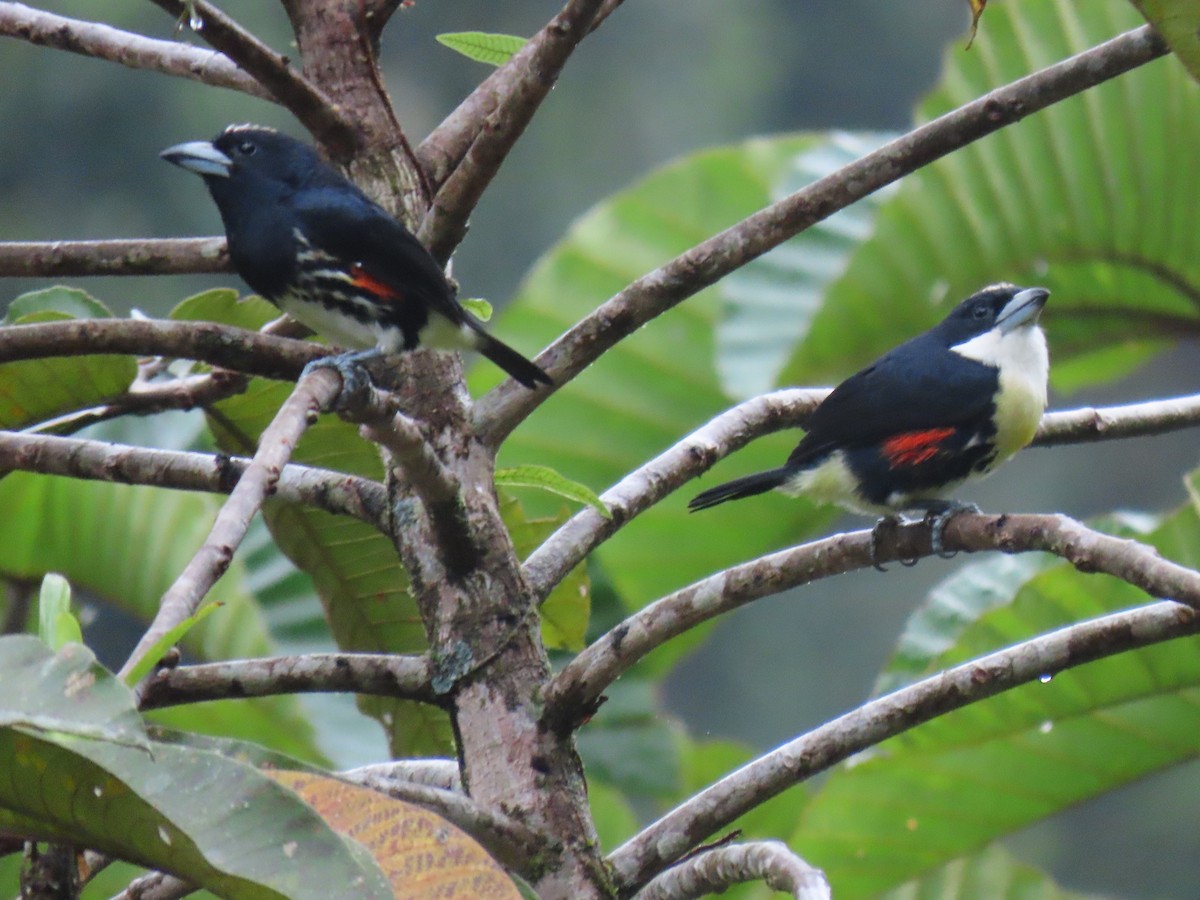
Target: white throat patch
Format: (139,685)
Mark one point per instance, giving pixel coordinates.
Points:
(1024,364)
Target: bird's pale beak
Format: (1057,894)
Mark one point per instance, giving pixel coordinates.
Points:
(200,157)
(1022,309)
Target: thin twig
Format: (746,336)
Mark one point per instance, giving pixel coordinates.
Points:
(574,693)
(147,399)
(135,51)
(671,837)
(314,392)
(503,408)
(464,153)
(156,886)
(438,490)
(221,345)
(717,870)
(135,256)
(334,492)
(378,674)
(513,844)
(607,8)
(642,488)
(436,773)
(316,112)
(1104,423)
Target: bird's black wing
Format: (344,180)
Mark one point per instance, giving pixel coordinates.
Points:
(917,386)
(343,222)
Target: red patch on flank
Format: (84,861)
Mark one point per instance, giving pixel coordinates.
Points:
(914,447)
(360,279)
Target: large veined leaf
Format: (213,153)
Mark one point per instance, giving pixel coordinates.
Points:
(1092,198)
(1178,21)
(953,785)
(659,384)
(992,873)
(126,544)
(38,390)
(79,768)
(767,305)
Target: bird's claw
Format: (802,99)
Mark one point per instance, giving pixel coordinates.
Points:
(885,522)
(350,368)
(937,526)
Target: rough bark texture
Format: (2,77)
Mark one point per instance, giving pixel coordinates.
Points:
(488,659)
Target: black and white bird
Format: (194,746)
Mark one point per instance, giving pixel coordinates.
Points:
(945,407)
(306,238)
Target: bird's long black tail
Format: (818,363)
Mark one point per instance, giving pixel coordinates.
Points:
(758,483)
(508,359)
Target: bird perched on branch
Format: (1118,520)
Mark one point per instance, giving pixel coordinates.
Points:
(307,239)
(905,432)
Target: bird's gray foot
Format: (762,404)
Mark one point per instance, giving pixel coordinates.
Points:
(351,369)
(937,518)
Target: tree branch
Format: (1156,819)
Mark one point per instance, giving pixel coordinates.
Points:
(379,674)
(135,51)
(503,408)
(136,256)
(645,486)
(315,392)
(672,836)
(220,345)
(1090,423)
(437,773)
(574,693)
(717,870)
(156,886)
(334,492)
(408,449)
(736,427)
(146,399)
(464,153)
(316,112)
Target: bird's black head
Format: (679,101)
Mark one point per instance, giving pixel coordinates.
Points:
(1004,307)
(250,159)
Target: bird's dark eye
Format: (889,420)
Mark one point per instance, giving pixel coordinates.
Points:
(980,312)
(247,148)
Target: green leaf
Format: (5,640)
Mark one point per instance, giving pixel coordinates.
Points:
(493,49)
(767,306)
(80,770)
(71,303)
(566,610)
(545,478)
(991,873)
(1091,198)
(957,783)
(479,307)
(614,818)
(1178,21)
(40,390)
(951,607)
(56,625)
(653,387)
(172,637)
(224,305)
(126,544)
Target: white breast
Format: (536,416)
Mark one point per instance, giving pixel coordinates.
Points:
(1024,363)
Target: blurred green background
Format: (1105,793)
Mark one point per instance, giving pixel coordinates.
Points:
(660,79)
